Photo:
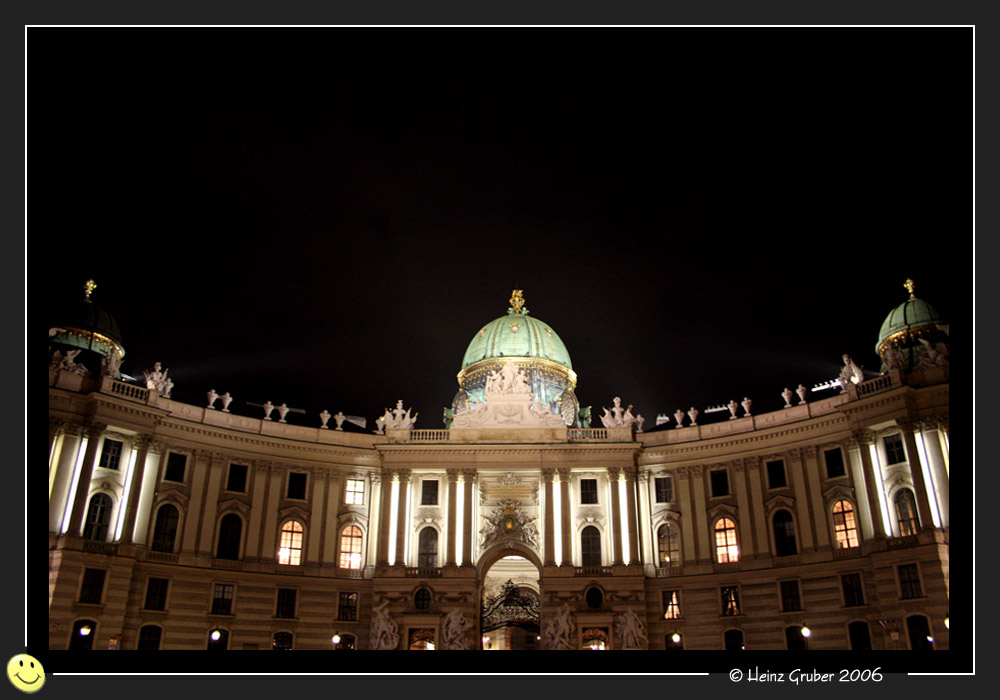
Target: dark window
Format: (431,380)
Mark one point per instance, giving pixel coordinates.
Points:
(156,594)
(733,640)
(429,492)
(731,601)
(906,513)
(664,489)
(165,530)
(784,534)
(149,638)
(854,593)
(671,605)
(218,640)
(790,599)
(281,641)
(795,640)
(237,480)
(720,482)
(427,554)
(346,642)
(594,597)
(347,609)
(92,588)
(909,581)
(111,454)
(98,517)
(590,541)
(422,599)
(176,463)
(230,532)
(297,485)
(83,635)
(588,490)
(834,463)
(919,632)
(222,599)
(776,474)
(286,603)
(894,452)
(860,637)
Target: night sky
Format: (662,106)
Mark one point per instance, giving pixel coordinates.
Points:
(326,217)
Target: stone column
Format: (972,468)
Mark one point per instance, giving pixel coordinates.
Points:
(259,473)
(56,429)
(633,533)
(646,535)
(62,479)
(216,470)
(275,494)
(616,515)
(373,503)
(330,533)
(917,473)
(402,516)
(939,473)
(195,519)
(451,556)
(135,487)
(565,506)
(746,524)
(757,504)
(803,505)
(469,476)
(549,553)
(385,509)
(820,518)
(316,526)
(864,440)
(702,526)
(94,431)
(685,499)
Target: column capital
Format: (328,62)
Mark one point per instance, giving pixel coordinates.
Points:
(469,475)
(144,441)
(614,473)
(683,472)
(404,476)
(863,436)
(563,474)
(643,476)
(908,424)
(95,429)
(548,474)
(697,470)
(452,475)
(203,455)
(56,426)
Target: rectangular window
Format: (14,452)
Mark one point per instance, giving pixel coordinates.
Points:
(149,638)
(588,490)
(834,463)
(237,480)
(348,607)
(720,482)
(286,603)
(222,599)
(156,594)
(909,581)
(296,485)
(429,492)
(894,452)
(790,599)
(731,601)
(854,593)
(671,605)
(111,454)
(176,463)
(664,489)
(92,588)
(354,494)
(776,474)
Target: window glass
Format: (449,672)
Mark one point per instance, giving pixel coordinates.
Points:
(350,547)
(222,599)
(156,594)
(149,638)
(664,489)
(906,513)
(428,547)
(176,463)
(285,606)
(290,547)
(854,593)
(720,482)
(668,540)
(354,492)
(588,490)
(429,492)
(165,529)
(230,532)
(92,588)
(784,534)
(110,454)
(845,527)
(347,608)
(590,541)
(296,485)
(909,581)
(894,452)
(237,480)
(776,474)
(834,463)
(671,605)
(98,518)
(790,599)
(731,601)
(726,548)
(281,641)
(733,640)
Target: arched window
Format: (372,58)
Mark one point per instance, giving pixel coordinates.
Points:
(906,513)
(733,640)
(83,635)
(422,598)
(290,547)
(590,546)
(859,636)
(845,527)
(726,547)
(346,642)
(919,632)
(98,517)
(350,547)
(427,554)
(165,529)
(784,534)
(669,544)
(230,532)
(149,638)
(281,641)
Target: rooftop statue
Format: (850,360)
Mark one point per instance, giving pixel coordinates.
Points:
(397,418)
(850,373)
(618,417)
(226,400)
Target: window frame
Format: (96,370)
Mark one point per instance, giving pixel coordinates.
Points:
(165,593)
(139,642)
(304,486)
(856,592)
(354,599)
(826,463)
(790,536)
(589,555)
(427,558)
(354,496)
(914,584)
(89,587)
(117,457)
(673,540)
(360,553)
(908,527)
(228,517)
(896,448)
(587,493)
(787,598)
(155,535)
(850,531)
(669,481)
(104,524)
(727,548)
(287,541)
(672,609)
(730,600)
(168,468)
(286,602)
(425,493)
(246,478)
(224,588)
(713,484)
(784,474)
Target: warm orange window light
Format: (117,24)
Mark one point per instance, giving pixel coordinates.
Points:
(350,547)
(844,525)
(726,549)
(290,547)
(354,494)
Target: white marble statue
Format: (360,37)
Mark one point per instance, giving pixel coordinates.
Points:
(630,630)
(693,415)
(733,407)
(67,362)
(226,400)
(385,633)
(268,407)
(455,631)
(560,630)
(380,425)
(787,396)
(801,391)
(746,406)
(618,417)
(282,412)
(168,386)
(158,381)
(679,417)
(397,418)
(850,373)
(639,420)
(212,398)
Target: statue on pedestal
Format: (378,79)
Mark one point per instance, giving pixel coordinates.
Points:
(385,633)
(398,419)
(850,373)
(630,630)
(560,630)
(455,631)
(110,365)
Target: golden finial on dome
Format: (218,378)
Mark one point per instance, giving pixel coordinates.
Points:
(909,286)
(517,301)
(88,287)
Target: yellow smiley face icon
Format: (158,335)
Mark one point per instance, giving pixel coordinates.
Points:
(26,673)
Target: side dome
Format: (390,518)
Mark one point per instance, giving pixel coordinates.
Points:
(908,331)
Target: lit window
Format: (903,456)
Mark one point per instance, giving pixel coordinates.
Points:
(588,490)
(110,454)
(290,547)
(428,547)
(354,494)
(784,534)
(165,529)
(894,452)
(350,547)
(348,607)
(222,599)
(669,545)
(429,492)
(671,605)
(726,548)
(909,581)
(664,489)
(906,513)
(98,517)
(845,527)
(731,601)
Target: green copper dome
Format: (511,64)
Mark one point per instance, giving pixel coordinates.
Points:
(517,335)
(912,314)
(906,330)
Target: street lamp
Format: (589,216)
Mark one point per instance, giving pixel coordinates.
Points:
(806,632)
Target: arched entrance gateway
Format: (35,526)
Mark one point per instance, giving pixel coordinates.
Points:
(509,594)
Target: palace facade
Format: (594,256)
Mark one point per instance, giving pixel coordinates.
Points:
(521,525)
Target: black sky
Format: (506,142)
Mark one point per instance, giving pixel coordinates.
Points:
(326,217)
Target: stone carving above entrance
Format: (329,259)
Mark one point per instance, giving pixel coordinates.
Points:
(508,524)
